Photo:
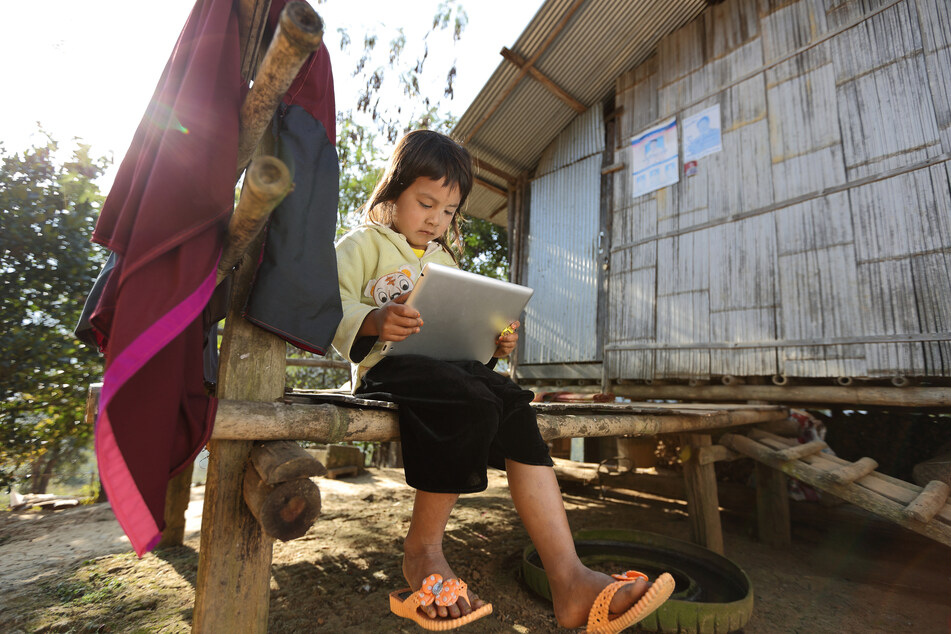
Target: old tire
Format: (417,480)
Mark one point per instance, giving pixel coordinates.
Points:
(713,595)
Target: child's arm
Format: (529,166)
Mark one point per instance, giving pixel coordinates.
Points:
(392,322)
(506,341)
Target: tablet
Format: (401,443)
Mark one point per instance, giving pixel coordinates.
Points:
(463,313)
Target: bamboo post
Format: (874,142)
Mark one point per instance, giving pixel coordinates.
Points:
(772,506)
(266,183)
(702,500)
(299,33)
(234,564)
(323,422)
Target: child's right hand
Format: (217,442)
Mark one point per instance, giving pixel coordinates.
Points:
(394,321)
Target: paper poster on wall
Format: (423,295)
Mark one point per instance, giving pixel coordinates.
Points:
(654,158)
(702,134)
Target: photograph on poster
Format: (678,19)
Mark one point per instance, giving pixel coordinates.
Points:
(655,158)
(702,134)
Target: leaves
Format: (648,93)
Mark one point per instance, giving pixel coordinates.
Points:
(47,265)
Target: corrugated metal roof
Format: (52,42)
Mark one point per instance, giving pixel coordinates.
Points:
(511,127)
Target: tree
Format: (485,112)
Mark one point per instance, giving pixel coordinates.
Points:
(47,266)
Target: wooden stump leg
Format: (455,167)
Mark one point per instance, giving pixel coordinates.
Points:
(234,561)
(176,503)
(772,506)
(703,503)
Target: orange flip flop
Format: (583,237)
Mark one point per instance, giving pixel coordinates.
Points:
(406,603)
(600,622)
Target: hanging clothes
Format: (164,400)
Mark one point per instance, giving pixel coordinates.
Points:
(295,293)
(165,220)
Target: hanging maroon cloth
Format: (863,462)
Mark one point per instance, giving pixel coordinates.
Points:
(165,219)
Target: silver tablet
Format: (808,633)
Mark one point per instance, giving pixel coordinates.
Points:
(463,313)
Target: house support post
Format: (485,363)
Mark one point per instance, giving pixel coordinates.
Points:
(703,503)
(772,506)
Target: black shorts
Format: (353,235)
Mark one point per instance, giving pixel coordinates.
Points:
(456,417)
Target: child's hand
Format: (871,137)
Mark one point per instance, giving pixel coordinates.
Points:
(394,321)
(507,341)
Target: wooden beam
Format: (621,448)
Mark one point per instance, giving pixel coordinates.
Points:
(490,186)
(543,79)
(815,394)
(702,501)
(610,169)
(488,167)
(531,61)
(326,423)
(498,211)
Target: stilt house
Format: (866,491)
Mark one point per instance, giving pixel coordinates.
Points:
(811,247)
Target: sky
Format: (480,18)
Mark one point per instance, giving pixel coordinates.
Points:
(87,69)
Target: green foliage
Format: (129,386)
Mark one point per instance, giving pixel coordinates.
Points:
(47,265)
(361,166)
(485,248)
(390,65)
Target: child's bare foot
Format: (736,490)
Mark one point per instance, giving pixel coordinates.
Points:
(420,562)
(574,596)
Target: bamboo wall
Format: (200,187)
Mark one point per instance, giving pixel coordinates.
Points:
(817,243)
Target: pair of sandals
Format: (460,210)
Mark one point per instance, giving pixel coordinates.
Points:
(406,603)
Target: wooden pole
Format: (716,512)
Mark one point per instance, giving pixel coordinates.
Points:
(702,500)
(177,497)
(266,183)
(245,420)
(299,33)
(772,506)
(284,460)
(234,563)
(814,394)
(285,510)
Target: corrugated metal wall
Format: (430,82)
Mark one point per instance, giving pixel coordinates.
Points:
(562,242)
(818,242)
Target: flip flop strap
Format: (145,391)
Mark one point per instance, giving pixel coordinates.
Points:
(598,616)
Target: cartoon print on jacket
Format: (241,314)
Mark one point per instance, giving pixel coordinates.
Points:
(388,287)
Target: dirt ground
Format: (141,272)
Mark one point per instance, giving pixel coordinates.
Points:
(72,571)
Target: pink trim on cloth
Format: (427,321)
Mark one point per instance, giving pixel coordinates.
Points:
(128,505)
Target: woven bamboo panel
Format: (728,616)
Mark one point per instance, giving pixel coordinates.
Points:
(825,221)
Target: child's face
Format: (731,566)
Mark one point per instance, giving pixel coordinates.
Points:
(424,210)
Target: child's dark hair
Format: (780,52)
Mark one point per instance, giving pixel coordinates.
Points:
(429,154)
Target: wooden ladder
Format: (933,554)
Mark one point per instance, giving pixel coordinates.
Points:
(924,510)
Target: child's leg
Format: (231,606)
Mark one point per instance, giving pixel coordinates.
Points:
(422,549)
(574,587)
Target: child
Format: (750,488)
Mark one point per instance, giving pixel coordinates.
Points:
(456,418)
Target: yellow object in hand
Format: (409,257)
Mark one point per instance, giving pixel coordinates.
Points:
(507,331)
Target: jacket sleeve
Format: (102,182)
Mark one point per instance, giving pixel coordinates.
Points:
(352,274)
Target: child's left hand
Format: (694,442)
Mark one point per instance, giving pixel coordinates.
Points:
(506,342)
